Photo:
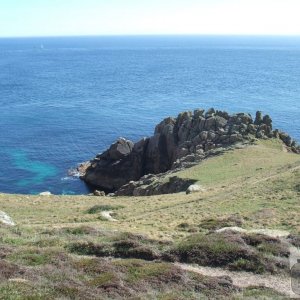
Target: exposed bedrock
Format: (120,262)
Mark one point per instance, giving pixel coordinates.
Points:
(176,143)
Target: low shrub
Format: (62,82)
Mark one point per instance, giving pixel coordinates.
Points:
(215,224)
(35,256)
(82,230)
(118,249)
(261,293)
(229,250)
(90,248)
(294,240)
(212,250)
(266,244)
(105,280)
(247,265)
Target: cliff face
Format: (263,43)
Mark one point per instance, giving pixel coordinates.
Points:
(177,142)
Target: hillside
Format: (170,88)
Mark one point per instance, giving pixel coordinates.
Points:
(87,247)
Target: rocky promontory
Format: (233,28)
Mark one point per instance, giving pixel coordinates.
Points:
(177,143)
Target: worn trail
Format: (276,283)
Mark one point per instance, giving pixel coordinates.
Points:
(244,279)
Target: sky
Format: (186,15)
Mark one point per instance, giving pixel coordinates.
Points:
(22,18)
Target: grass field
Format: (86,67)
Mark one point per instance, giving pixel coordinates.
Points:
(257,187)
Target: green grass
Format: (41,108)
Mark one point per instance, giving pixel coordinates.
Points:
(21,291)
(99,208)
(33,256)
(233,166)
(223,250)
(260,294)
(103,279)
(141,270)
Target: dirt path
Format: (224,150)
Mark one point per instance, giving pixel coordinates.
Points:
(244,279)
(274,175)
(281,284)
(269,232)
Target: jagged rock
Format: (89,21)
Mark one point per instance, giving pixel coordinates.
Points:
(210,113)
(182,152)
(153,185)
(234,138)
(119,149)
(220,121)
(198,113)
(258,118)
(210,124)
(267,120)
(177,143)
(194,188)
(285,138)
(109,174)
(223,114)
(251,128)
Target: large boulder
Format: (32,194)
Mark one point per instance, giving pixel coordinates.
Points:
(121,163)
(194,188)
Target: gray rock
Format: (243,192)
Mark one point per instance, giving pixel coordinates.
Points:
(194,188)
(99,193)
(211,112)
(182,152)
(211,135)
(220,122)
(210,124)
(258,118)
(223,114)
(204,135)
(45,194)
(267,120)
(234,138)
(6,219)
(251,128)
(198,113)
(120,149)
(286,138)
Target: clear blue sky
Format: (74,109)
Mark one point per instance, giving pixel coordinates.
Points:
(106,17)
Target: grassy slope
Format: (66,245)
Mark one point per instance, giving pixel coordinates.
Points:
(258,185)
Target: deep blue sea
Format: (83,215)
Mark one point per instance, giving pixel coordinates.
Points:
(63,100)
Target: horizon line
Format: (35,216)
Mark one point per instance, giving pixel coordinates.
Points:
(155,35)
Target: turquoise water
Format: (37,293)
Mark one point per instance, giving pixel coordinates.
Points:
(63,100)
(40,171)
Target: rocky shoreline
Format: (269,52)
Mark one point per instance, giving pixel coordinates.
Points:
(128,168)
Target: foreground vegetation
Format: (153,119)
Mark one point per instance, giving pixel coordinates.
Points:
(63,247)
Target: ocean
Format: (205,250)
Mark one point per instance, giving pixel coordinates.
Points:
(63,100)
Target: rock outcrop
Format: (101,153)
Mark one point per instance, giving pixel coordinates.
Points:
(151,184)
(177,143)
(6,219)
